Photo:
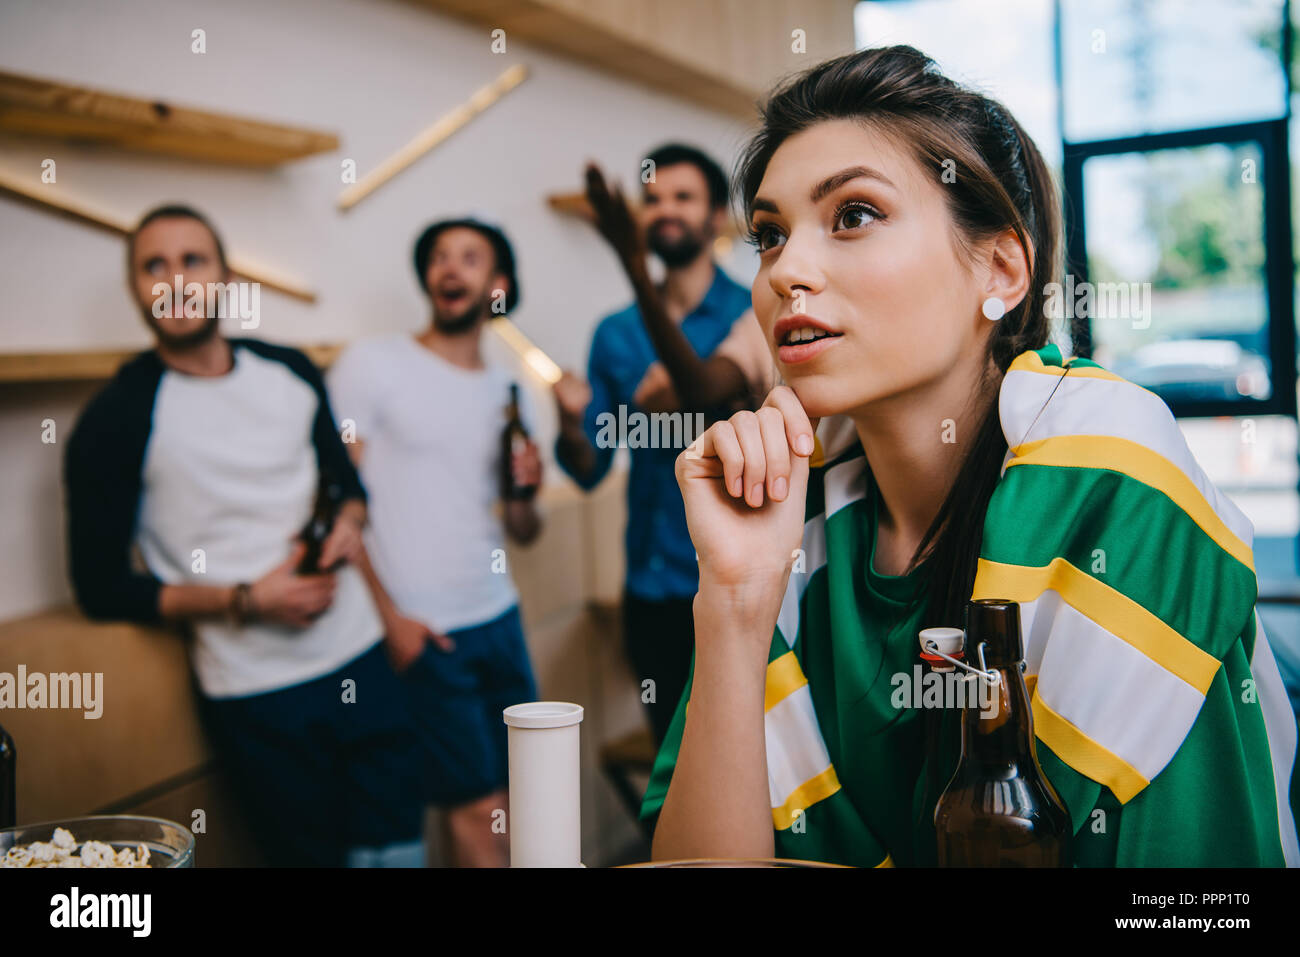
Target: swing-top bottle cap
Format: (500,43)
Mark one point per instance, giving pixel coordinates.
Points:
(949,641)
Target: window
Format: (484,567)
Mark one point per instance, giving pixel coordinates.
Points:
(1170,124)
(1176,177)
(1148,66)
(1176,264)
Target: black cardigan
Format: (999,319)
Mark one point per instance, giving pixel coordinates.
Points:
(102,479)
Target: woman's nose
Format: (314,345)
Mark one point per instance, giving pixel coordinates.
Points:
(795,270)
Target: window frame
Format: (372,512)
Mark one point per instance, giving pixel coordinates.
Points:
(1272,139)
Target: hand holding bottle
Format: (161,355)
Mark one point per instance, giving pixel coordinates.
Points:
(520,461)
(343,543)
(284,596)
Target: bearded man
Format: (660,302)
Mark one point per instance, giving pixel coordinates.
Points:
(684,208)
(189,480)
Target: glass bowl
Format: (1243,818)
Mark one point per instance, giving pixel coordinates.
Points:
(169,844)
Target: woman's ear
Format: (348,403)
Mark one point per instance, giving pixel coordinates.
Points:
(1009,270)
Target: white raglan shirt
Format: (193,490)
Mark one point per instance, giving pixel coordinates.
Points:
(229,480)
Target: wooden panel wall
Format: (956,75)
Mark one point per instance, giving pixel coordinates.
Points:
(723,54)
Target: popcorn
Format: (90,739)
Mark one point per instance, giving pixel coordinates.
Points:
(17,857)
(96,854)
(60,851)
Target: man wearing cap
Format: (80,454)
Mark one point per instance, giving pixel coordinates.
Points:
(423,416)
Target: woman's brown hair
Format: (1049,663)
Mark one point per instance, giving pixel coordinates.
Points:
(996,180)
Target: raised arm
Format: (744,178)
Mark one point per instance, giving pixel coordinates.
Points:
(711,384)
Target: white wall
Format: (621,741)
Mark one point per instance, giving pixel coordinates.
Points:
(374,71)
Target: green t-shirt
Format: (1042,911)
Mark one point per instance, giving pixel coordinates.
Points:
(1159,714)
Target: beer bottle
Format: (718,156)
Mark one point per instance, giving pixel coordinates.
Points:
(8,781)
(999,810)
(318,527)
(941,734)
(514,441)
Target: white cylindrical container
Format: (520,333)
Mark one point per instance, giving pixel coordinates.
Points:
(545,823)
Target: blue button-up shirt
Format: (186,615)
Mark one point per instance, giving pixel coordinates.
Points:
(660,557)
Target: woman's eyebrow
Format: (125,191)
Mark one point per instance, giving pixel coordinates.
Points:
(827,186)
(833,182)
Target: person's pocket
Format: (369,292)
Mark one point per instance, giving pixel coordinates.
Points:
(442,670)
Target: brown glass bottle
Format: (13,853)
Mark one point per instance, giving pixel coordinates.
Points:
(999,810)
(514,440)
(318,527)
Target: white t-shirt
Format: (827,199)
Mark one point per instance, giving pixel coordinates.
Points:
(230,470)
(432,445)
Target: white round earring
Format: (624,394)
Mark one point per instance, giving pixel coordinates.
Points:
(994,308)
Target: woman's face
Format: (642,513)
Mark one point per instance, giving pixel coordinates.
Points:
(856,243)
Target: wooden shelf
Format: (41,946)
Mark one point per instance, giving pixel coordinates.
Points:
(571,204)
(33,106)
(56,200)
(101,365)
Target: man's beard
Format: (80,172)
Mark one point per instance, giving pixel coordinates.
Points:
(185,340)
(457,324)
(677,252)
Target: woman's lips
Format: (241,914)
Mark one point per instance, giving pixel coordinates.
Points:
(803,351)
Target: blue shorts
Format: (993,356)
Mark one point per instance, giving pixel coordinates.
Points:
(319,777)
(457,698)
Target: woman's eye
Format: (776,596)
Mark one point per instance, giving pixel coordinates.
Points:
(853,216)
(767,237)
(193,259)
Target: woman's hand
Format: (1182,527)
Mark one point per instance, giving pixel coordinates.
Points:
(744,482)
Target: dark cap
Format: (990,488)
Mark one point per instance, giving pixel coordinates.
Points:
(500,245)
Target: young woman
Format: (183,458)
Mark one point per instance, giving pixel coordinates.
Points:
(908,234)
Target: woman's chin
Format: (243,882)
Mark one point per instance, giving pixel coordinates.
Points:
(818,398)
